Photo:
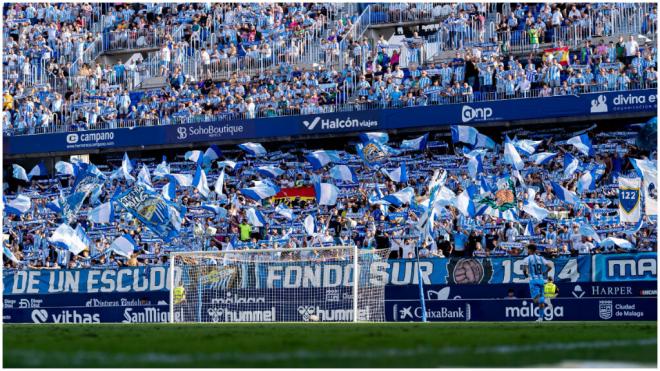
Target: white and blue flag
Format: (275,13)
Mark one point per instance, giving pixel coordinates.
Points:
(398,175)
(65,168)
(417,144)
(511,155)
(66,237)
(124,245)
(319,159)
(378,137)
(270,171)
(344,173)
(254,149)
(284,211)
(18,206)
(582,143)
(464,134)
(38,170)
(571,165)
(564,194)
(542,158)
(326,193)
(255,217)
(19,173)
(103,214)
(200,183)
(404,196)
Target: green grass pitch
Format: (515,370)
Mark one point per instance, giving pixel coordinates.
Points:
(329,344)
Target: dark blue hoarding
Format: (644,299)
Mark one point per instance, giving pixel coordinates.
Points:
(594,104)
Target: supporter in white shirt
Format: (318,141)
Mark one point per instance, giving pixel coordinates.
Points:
(631,47)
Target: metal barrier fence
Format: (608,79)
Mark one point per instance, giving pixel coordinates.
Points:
(338,106)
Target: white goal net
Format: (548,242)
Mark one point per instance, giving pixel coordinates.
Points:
(283,285)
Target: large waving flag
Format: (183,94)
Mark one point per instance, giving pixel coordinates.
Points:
(500,202)
(464,204)
(583,144)
(254,217)
(374,153)
(648,171)
(484,142)
(588,231)
(200,183)
(526,147)
(220,212)
(66,237)
(254,149)
(344,173)
(542,158)
(571,165)
(102,214)
(193,156)
(564,194)
(227,163)
(162,170)
(182,180)
(9,254)
(124,245)
(464,134)
(398,175)
(144,177)
(402,197)
(326,193)
(18,206)
(588,180)
(220,182)
(309,224)
(66,168)
(532,208)
(284,211)
(620,242)
(38,170)
(169,191)
(156,213)
(377,137)
(19,173)
(417,144)
(270,171)
(319,159)
(260,192)
(475,165)
(511,155)
(211,154)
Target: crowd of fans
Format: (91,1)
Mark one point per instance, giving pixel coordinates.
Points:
(360,216)
(82,95)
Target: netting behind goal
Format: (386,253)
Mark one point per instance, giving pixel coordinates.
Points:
(286,285)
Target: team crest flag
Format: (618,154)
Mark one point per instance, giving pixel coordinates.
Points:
(159,215)
(373,153)
(503,204)
(630,199)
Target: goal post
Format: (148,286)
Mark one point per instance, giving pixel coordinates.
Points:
(328,284)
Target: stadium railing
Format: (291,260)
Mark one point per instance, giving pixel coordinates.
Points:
(350,106)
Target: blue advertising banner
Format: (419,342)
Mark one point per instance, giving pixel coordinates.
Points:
(436,271)
(85,300)
(593,104)
(569,309)
(638,267)
(565,309)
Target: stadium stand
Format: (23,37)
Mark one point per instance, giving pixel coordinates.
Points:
(77,67)
(204,62)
